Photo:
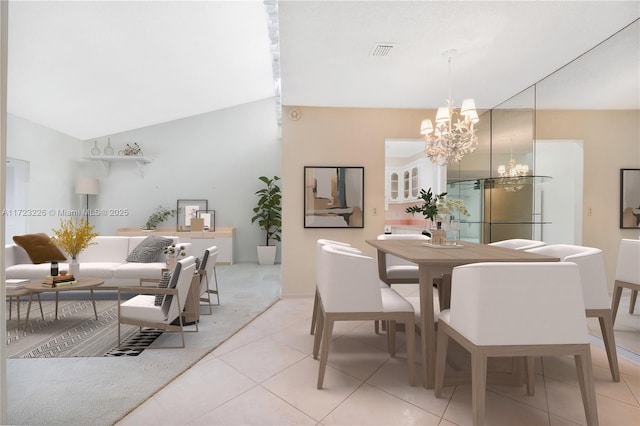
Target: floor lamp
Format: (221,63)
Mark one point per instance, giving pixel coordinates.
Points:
(87,186)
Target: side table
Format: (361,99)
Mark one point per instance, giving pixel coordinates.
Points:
(11,294)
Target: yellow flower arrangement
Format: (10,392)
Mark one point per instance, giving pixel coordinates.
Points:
(74,237)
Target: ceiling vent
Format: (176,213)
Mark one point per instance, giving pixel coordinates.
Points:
(382,50)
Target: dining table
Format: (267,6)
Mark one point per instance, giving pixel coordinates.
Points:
(436,261)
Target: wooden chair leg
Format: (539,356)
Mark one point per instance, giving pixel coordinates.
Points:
(606,326)
(441,359)
(587,387)
(315,312)
(411,348)
(615,301)
(324,355)
(478,385)
(632,302)
(391,333)
(531,375)
(319,331)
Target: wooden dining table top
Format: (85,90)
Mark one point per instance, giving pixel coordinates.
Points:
(421,252)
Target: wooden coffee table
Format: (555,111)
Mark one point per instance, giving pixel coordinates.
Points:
(36,286)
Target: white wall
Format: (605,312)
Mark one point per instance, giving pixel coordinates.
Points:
(53,166)
(216,156)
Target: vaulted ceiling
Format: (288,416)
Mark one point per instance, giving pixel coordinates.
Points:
(91,68)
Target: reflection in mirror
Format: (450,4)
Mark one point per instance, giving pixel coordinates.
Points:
(603,82)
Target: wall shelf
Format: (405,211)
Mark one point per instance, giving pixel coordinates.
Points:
(106,160)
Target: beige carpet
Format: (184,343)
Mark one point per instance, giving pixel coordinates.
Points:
(76,332)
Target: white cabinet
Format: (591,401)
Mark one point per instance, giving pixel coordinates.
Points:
(403,184)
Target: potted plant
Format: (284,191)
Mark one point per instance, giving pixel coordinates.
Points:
(159,215)
(74,237)
(429,207)
(268,216)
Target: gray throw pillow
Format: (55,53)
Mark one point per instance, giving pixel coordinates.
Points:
(148,250)
(163,283)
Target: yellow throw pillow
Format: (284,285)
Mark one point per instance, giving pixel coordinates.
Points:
(39,247)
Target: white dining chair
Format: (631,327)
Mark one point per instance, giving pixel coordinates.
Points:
(518,244)
(594,291)
(319,269)
(627,274)
(515,309)
(401,271)
(350,291)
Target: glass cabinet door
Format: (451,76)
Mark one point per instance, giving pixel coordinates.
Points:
(394,186)
(407,184)
(414,182)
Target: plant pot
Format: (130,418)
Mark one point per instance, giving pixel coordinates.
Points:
(266,255)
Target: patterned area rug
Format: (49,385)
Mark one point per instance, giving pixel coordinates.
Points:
(76,332)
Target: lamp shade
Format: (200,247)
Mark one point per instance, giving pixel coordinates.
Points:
(89,186)
(442,116)
(468,105)
(426,127)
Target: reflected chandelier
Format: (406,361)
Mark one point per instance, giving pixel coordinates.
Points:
(454,135)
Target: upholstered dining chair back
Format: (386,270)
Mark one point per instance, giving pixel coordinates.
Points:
(592,273)
(595,291)
(516,309)
(518,303)
(628,265)
(627,274)
(518,244)
(350,283)
(398,261)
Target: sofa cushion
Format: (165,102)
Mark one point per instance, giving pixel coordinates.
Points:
(163,283)
(106,249)
(39,247)
(149,249)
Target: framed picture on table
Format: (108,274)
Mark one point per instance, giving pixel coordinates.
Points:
(333,197)
(629,198)
(209,217)
(187,210)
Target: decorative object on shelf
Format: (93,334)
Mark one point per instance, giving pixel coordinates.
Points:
(629,198)
(454,134)
(87,186)
(95,150)
(172,253)
(130,151)
(187,210)
(209,217)
(268,216)
(333,197)
(159,215)
(73,237)
(108,150)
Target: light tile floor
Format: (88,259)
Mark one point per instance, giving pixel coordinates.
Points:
(266,375)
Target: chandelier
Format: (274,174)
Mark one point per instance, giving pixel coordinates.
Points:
(512,179)
(453,135)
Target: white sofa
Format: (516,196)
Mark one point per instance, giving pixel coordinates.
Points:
(107,259)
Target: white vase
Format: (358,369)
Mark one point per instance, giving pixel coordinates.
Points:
(74,267)
(266,255)
(171,263)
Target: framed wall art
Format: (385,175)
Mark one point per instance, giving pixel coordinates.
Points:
(629,198)
(333,197)
(187,210)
